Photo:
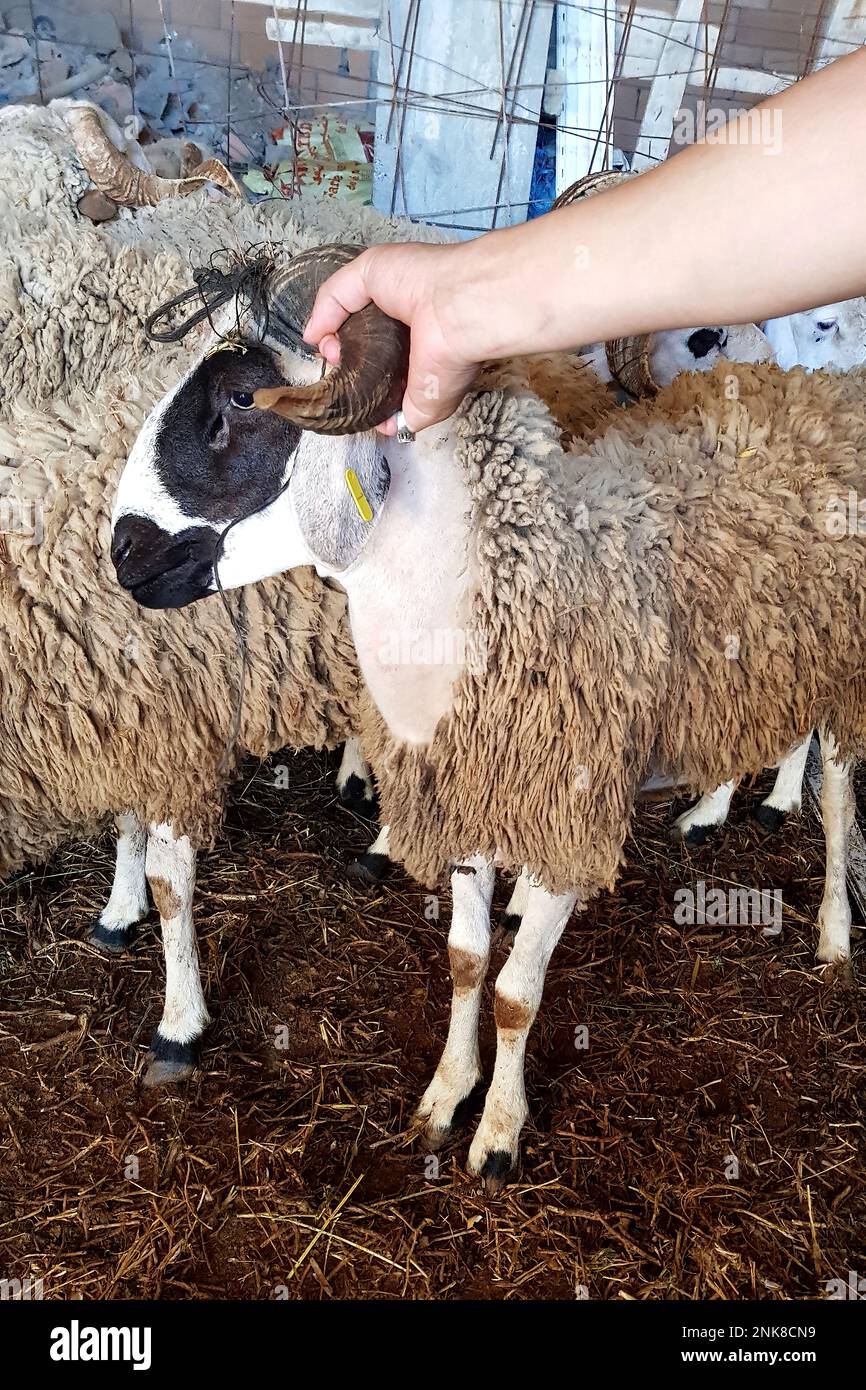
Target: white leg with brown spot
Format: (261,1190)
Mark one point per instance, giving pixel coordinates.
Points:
(127,903)
(519,987)
(459,1069)
(171,876)
(837,813)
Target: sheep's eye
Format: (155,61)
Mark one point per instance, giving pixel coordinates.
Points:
(242,399)
(825,325)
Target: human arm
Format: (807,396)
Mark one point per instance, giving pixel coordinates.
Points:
(727,231)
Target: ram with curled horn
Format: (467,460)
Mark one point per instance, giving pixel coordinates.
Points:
(369,382)
(230,433)
(118,180)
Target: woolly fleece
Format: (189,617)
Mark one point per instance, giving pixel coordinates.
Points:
(667,597)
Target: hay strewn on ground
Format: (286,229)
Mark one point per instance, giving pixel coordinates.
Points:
(290,1171)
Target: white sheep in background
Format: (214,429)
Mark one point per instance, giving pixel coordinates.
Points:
(690,350)
(600,587)
(833,337)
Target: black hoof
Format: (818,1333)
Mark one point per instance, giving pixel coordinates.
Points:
(695,835)
(111,941)
(169,1062)
(512,922)
(369,867)
(497,1169)
(769,818)
(355,796)
(465,1108)
(460,1117)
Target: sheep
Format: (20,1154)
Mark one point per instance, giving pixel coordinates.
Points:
(689,350)
(831,337)
(71,312)
(74,296)
(108,709)
(537,631)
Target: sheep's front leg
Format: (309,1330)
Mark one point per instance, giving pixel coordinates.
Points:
(171,875)
(787,792)
(127,903)
(519,988)
(837,813)
(459,1069)
(700,821)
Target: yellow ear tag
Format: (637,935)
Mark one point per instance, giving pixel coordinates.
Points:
(365,511)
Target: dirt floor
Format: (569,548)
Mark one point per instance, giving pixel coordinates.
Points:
(291,1171)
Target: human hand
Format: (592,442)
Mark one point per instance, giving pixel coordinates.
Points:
(415,284)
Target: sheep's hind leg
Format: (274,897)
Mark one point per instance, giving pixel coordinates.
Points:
(519,987)
(787,792)
(355,782)
(171,875)
(517,902)
(837,813)
(700,821)
(375,863)
(127,903)
(459,1069)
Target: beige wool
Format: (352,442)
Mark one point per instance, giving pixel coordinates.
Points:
(106,706)
(666,597)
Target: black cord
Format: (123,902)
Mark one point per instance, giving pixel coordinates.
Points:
(213,286)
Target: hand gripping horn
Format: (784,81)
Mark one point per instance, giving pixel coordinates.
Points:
(368,384)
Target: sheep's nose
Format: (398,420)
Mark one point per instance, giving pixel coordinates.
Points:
(121,545)
(703,340)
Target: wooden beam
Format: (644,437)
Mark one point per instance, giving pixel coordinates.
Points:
(675,64)
(585,54)
(444,153)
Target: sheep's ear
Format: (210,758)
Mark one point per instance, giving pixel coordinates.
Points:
(338,494)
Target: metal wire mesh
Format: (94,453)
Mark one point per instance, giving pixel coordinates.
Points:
(294,82)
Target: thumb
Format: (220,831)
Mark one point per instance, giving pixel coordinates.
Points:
(342,294)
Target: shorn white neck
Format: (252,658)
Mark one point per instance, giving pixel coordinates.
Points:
(410,594)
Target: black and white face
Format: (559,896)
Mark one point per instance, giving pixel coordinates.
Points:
(207,457)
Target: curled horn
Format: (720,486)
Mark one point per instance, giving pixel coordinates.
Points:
(627,358)
(588,185)
(629,364)
(116,177)
(368,385)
